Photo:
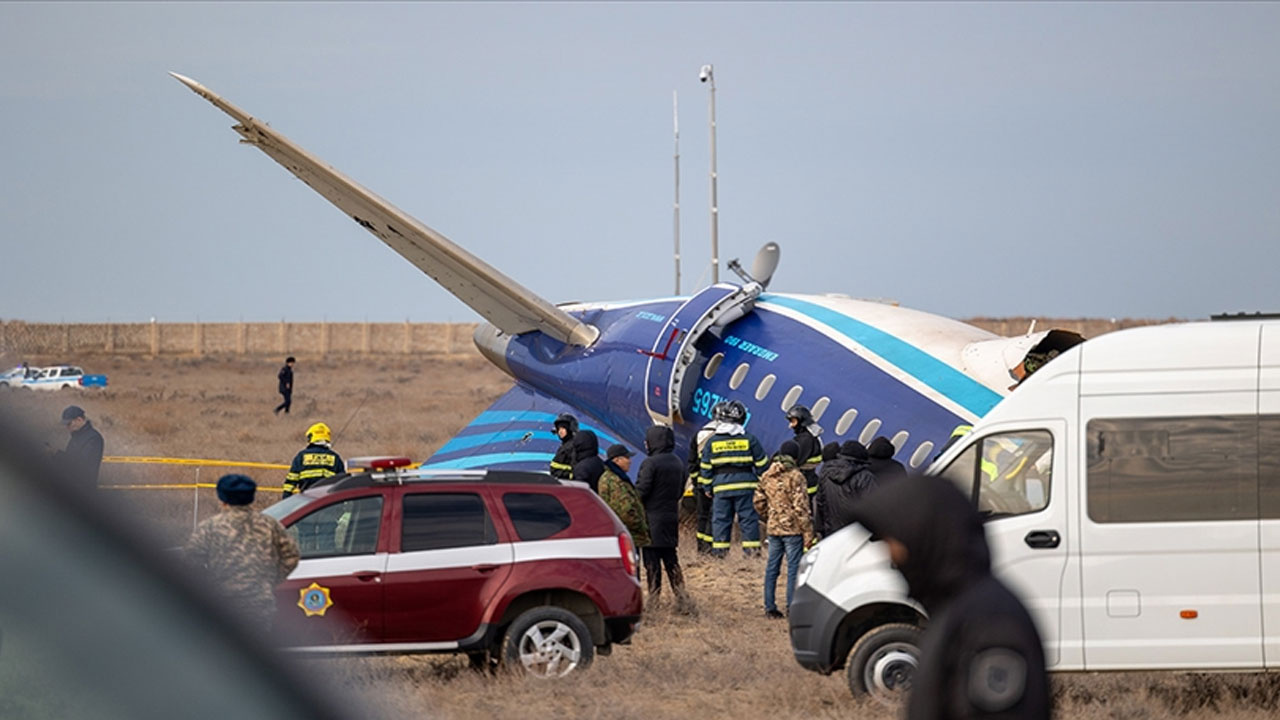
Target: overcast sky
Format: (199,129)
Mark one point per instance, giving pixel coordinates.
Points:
(998,159)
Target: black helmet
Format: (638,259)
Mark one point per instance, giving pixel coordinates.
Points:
(566,420)
(801,414)
(729,411)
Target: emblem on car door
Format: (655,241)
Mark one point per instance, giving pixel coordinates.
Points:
(314,600)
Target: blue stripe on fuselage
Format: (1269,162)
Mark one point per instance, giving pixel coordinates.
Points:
(941,377)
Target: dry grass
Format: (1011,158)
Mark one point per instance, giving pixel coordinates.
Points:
(725,661)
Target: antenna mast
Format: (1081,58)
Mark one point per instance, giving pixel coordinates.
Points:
(675,117)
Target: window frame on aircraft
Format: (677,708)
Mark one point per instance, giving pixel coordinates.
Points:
(765,386)
(713,365)
(846,421)
(792,396)
(899,440)
(739,376)
(869,430)
(820,407)
(921,453)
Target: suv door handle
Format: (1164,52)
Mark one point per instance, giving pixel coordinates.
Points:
(367,575)
(485,568)
(1042,539)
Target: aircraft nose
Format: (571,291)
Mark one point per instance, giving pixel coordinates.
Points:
(492,343)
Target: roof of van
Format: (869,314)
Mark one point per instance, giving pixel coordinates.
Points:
(1176,346)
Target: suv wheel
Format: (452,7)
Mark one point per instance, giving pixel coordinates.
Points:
(883,662)
(548,642)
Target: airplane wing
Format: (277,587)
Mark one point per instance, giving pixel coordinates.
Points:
(502,301)
(514,433)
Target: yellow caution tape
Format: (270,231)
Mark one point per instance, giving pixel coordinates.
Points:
(190,461)
(189,486)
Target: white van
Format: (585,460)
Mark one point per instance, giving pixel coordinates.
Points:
(1133,492)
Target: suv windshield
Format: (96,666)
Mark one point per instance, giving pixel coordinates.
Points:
(288,505)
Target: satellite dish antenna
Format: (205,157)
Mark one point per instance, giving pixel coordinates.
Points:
(765,263)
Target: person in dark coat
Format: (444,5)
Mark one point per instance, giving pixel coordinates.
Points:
(880,455)
(660,483)
(808,437)
(842,481)
(562,464)
(285,376)
(980,656)
(587,465)
(82,457)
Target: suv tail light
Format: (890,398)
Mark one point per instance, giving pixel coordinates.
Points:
(630,559)
(80,382)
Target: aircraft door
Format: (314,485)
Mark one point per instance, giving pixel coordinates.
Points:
(674,356)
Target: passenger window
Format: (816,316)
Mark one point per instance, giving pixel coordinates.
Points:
(713,365)
(869,432)
(921,453)
(349,527)
(765,386)
(536,515)
(791,397)
(438,521)
(1172,469)
(1006,474)
(846,421)
(739,374)
(1269,466)
(820,407)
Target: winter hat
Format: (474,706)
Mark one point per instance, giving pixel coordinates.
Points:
(854,449)
(790,449)
(881,448)
(830,451)
(236,489)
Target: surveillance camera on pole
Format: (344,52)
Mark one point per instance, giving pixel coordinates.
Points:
(705,74)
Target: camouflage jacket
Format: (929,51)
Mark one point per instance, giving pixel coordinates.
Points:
(246,554)
(621,496)
(782,500)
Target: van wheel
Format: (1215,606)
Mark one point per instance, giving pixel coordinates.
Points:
(883,661)
(548,642)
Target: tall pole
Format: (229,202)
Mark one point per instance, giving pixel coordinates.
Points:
(675,118)
(708,76)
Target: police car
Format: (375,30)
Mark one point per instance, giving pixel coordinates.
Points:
(514,568)
(57,377)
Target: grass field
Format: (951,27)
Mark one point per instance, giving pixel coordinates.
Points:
(724,661)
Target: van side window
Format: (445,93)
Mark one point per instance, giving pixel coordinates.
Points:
(1006,474)
(1172,469)
(1269,466)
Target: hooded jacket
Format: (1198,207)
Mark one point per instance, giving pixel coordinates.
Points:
(980,656)
(781,500)
(880,453)
(660,483)
(587,465)
(841,482)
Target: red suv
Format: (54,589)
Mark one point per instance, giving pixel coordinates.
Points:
(513,567)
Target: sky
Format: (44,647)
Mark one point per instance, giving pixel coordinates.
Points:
(967,159)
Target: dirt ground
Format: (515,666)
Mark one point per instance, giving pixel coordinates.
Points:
(726,660)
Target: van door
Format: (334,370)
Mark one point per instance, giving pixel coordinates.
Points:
(1018,482)
(1169,528)
(1269,490)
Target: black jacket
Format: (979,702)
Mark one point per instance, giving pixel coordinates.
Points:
(587,465)
(883,466)
(562,463)
(286,379)
(841,482)
(83,456)
(980,656)
(809,457)
(660,483)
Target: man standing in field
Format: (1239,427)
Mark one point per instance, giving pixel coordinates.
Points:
(285,376)
(245,552)
(83,456)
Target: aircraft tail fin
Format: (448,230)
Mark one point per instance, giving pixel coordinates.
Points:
(502,301)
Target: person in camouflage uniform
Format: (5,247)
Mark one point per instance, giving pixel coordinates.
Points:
(245,552)
(620,495)
(782,502)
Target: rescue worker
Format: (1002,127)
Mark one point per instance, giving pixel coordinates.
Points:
(980,656)
(245,552)
(314,462)
(701,487)
(880,455)
(660,483)
(733,460)
(285,376)
(562,464)
(587,466)
(782,502)
(844,480)
(809,439)
(82,458)
(620,495)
